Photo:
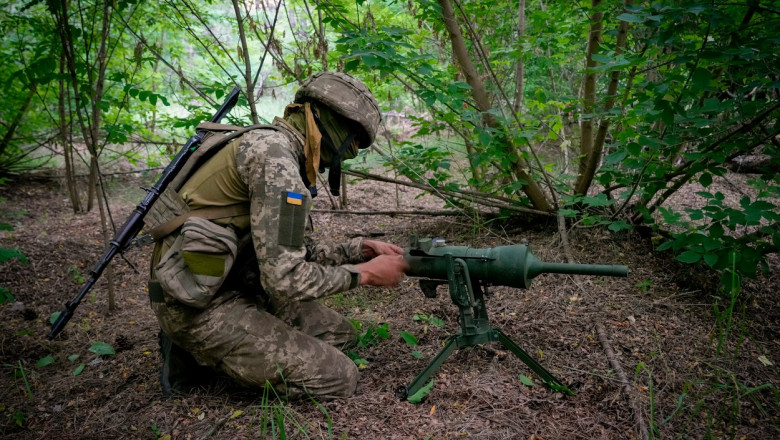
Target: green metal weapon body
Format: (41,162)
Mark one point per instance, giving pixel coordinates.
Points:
(468,272)
(135,222)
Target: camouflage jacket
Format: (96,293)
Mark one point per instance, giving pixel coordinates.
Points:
(262,168)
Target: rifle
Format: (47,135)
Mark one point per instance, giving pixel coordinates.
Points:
(135,222)
(468,272)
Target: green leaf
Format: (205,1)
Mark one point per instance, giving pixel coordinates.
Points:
(619,225)
(409,338)
(711,259)
(689,257)
(48,360)
(631,18)
(359,361)
(525,380)
(101,348)
(11,253)
(382,331)
(6,296)
(705,179)
(54,316)
(421,393)
(78,370)
(417,355)
(485,138)
(73,357)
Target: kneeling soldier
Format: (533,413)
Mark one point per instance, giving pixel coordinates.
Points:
(239,294)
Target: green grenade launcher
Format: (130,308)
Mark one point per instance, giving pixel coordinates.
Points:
(468,272)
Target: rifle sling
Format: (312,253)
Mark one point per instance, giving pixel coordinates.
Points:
(208,213)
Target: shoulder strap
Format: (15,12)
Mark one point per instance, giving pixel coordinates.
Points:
(208,213)
(217,136)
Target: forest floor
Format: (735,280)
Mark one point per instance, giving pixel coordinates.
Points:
(659,322)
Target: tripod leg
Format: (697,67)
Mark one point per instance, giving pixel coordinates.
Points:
(426,374)
(546,376)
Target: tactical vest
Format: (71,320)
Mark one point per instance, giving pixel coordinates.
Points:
(193,264)
(170,211)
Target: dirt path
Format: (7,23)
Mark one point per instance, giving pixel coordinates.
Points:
(659,322)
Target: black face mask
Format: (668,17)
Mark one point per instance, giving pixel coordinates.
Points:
(337,156)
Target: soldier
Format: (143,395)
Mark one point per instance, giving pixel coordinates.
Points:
(252,311)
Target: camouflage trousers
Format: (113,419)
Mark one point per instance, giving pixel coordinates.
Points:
(297,349)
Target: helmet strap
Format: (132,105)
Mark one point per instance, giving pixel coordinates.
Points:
(334,171)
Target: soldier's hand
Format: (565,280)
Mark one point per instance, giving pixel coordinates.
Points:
(372,249)
(384,270)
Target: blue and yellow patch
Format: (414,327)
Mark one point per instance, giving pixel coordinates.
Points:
(294,198)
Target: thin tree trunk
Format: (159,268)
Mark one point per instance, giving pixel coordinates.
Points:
(520,166)
(155,69)
(594,158)
(520,65)
(102,64)
(250,86)
(67,146)
(589,89)
(9,135)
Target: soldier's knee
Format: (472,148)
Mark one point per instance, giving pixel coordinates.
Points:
(351,379)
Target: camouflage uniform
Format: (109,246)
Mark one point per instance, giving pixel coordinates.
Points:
(277,331)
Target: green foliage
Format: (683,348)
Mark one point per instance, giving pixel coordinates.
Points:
(102,349)
(367,338)
(421,393)
(428,319)
(78,370)
(372,335)
(409,338)
(44,361)
(7,254)
(6,296)
(277,420)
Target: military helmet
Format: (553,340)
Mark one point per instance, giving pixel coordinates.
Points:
(347,96)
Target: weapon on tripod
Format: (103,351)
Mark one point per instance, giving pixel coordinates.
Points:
(468,272)
(135,222)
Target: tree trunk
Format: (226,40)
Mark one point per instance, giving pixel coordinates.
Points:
(250,86)
(520,66)
(589,91)
(593,159)
(67,146)
(9,135)
(519,166)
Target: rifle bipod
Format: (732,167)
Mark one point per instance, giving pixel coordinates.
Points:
(475,328)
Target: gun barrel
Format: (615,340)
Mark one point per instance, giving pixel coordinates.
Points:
(513,266)
(609,270)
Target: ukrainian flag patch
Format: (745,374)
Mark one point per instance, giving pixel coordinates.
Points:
(294,198)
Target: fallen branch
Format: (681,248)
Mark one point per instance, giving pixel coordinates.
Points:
(471,196)
(390,213)
(639,418)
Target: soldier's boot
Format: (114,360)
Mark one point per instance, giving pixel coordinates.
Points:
(180,372)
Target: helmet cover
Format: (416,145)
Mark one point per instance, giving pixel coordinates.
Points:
(347,96)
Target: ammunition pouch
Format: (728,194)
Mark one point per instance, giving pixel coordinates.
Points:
(198,261)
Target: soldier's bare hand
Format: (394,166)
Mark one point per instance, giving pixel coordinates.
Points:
(372,249)
(384,270)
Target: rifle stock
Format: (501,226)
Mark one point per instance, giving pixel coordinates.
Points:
(134,222)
